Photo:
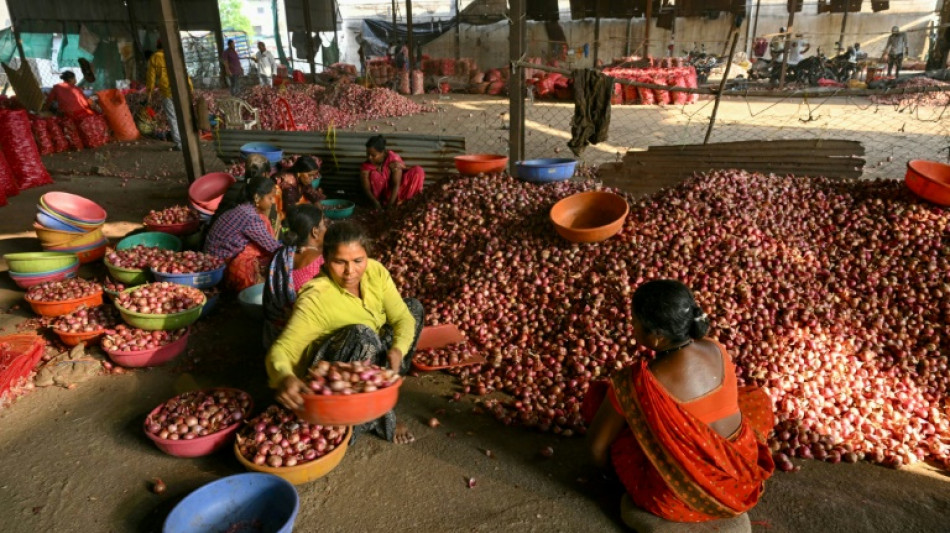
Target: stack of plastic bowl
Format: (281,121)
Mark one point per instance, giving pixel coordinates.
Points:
(33,268)
(72,224)
(205,194)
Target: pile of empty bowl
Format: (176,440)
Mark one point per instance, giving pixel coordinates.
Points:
(72,224)
(32,268)
(205,194)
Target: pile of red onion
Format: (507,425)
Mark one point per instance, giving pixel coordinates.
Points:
(278,438)
(451,355)
(112,285)
(160,298)
(137,257)
(328,378)
(67,289)
(830,294)
(198,414)
(127,339)
(86,320)
(187,262)
(178,214)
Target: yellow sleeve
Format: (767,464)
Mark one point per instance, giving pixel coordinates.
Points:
(286,356)
(397,313)
(150,77)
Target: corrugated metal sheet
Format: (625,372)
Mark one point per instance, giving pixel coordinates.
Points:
(341,162)
(193,15)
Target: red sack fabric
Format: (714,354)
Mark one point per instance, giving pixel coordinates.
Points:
(662,97)
(646,95)
(16,137)
(630,95)
(41,136)
(404,87)
(477,76)
(691,82)
(497,88)
(71,132)
(93,130)
(60,144)
(545,87)
(117,113)
(418,82)
(677,79)
(493,75)
(8,186)
(447,68)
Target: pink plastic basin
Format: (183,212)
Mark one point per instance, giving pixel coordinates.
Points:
(151,357)
(74,207)
(199,446)
(206,192)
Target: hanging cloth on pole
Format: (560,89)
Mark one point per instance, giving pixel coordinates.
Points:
(331,53)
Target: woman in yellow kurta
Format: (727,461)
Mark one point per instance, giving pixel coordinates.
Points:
(352,311)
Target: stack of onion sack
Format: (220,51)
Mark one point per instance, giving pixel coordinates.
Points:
(278,438)
(21,155)
(831,294)
(673,76)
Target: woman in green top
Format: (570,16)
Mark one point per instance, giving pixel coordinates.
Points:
(352,311)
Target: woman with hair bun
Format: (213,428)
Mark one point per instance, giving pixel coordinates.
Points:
(299,261)
(687,443)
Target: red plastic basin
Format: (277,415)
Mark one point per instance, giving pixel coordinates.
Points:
(185,228)
(206,192)
(348,410)
(591,216)
(929,180)
(151,357)
(198,446)
(475,164)
(74,207)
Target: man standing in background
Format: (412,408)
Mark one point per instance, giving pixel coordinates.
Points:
(895,50)
(233,68)
(156,76)
(266,65)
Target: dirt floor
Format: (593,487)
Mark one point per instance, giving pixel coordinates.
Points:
(77,460)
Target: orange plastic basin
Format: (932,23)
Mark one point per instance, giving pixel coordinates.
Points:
(591,216)
(474,164)
(72,339)
(64,307)
(302,473)
(929,180)
(348,410)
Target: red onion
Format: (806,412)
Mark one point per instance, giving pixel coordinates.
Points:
(328,378)
(198,414)
(137,257)
(67,289)
(178,214)
(127,339)
(85,320)
(160,298)
(187,262)
(278,438)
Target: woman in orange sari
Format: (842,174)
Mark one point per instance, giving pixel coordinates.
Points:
(685,441)
(385,178)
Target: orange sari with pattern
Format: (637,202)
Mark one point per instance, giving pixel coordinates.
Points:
(677,467)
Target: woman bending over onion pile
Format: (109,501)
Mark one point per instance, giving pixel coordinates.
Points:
(351,312)
(384,176)
(296,263)
(686,442)
(300,183)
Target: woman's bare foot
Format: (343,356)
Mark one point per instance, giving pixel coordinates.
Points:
(403,435)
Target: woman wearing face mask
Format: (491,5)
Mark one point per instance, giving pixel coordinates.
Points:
(299,184)
(385,178)
(351,312)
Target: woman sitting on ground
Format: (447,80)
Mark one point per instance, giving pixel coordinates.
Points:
(351,312)
(299,261)
(298,184)
(68,99)
(384,176)
(243,235)
(686,442)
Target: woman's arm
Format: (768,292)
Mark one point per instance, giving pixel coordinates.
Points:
(397,316)
(257,232)
(285,359)
(396,170)
(603,431)
(368,189)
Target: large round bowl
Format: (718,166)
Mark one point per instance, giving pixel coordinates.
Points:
(72,266)
(252,300)
(53,237)
(198,280)
(929,180)
(206,192)
(127,276)
(185,228)
(242,502)
(27,281)
(150,239)
(149,357)
(71,222)
(198,446)
(74,207)
(160,322)
(348,409)
(306,472)
(591,216)
(80,241)
(48,221)
(82,248)
(88,337)
(337,209)
(64,307)
(474,164)
(37,262)
(546,170)
(273,153)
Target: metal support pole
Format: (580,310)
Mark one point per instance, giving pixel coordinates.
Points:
(646,28)
(411,44)
(722,84)
(516,114)
(626,47)
(788,32)
(178,77)
(219,47)
(755,23)
(136,45)
(844,24)
(458,30)
(308,26)
(596,41)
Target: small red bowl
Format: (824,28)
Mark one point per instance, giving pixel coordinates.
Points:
(929,180)
(350,409)
(208,190)
(199,446)
(151,357)
(72,339)
(186,228)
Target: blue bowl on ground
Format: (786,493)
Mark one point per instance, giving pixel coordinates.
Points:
(252,300)
(271,152)
(198,280)
(546,170)
(57,224)
(242,502)
(337,209)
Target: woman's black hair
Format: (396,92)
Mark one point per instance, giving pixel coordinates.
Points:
(257,186)
(256,165)
(377,142)
(344,233)
(67,75)
(304,164)
(300,223)
(667,308)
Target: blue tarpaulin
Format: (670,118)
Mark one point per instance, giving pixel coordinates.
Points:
(379,34)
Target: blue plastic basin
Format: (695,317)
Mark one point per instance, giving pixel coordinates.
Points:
(546,170)
(258,502)
(198,280)
(271,152)
(53,223)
